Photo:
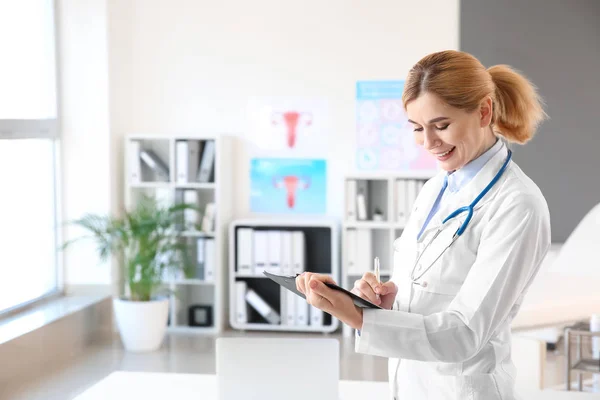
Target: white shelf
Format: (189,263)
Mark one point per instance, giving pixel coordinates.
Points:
(151,185)
(369,224)
(288,328)
(195,185)
(390,193)
(219,191)
(263,286)
(197,234)
(250,276)
(194,282)
(211,330)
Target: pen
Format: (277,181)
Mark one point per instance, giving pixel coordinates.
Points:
(376,268)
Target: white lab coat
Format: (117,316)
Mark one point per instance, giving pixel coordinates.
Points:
(450,338)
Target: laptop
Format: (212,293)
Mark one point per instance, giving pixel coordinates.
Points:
(278,368)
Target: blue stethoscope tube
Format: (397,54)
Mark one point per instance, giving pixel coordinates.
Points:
(469,210)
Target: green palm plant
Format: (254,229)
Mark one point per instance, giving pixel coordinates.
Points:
(146,239)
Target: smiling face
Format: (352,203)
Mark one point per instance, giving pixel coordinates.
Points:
(453,136)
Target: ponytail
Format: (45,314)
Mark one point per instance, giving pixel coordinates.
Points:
(461,81)
(517,107)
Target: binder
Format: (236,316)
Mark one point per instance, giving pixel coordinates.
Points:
(401,202)
(263,308)
(190,216)
(351,253)
(200,258)
(302,313)
(364,247)
(350,200)
(210,261)
(155,164)
(260,252)
(291,301)
(244,251)
(206,168)
(298,250)
(135,167)
(193,160)
(181,156)
(287,267)
(362,204)
(316,317)
(241,307)
(274,246)
(411,196)
(283,304)
(208,220)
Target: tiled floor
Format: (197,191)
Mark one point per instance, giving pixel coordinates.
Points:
(191,354)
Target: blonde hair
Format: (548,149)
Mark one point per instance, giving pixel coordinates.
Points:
(462,81)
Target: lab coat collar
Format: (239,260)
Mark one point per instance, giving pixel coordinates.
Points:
(469,192)
(458,179)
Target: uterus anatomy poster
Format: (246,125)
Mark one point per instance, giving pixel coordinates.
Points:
(290,126)
(384,137)
(288,186)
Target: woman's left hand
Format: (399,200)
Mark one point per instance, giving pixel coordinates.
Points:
(333,302)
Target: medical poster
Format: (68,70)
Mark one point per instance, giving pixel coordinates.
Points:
(288,186)
(288,126)
(384,137)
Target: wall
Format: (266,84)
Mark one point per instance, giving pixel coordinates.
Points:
(190,66)
(555,44)
(84,113)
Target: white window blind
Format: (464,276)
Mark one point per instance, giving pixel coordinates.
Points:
(28,105)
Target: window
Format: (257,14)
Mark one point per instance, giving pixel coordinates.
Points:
(28,152)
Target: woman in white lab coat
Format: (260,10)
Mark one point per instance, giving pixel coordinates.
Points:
(447,310)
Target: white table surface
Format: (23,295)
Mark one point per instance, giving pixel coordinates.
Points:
(122,385)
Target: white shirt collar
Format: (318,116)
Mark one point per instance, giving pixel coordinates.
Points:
(459,178)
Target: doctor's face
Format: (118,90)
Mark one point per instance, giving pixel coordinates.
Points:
(451,135)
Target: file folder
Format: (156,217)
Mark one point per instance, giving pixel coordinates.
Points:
(182,162)
(260,251)
(263,308)
(244,251)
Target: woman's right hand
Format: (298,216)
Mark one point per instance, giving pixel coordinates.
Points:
(368,288)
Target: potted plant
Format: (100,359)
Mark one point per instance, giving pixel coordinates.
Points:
(147,242)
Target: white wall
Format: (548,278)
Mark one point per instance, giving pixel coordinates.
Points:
(84,113)
(193,64)
(190,66)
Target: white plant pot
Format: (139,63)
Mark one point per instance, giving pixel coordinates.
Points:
(142,324)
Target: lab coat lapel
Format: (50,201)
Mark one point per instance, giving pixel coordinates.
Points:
(430,252)
(470,191)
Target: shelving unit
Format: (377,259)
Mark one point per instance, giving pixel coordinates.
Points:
(141,179)
(391,197)
(579,355)
(319,254)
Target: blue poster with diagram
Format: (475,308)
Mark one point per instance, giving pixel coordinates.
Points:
(384,137)
(288,186)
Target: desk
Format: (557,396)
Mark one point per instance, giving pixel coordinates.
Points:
(160,386)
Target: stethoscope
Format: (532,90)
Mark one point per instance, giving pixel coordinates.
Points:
(469,210)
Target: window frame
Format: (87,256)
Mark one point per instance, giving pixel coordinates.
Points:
(47,128)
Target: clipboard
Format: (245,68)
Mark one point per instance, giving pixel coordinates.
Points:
(289,282)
